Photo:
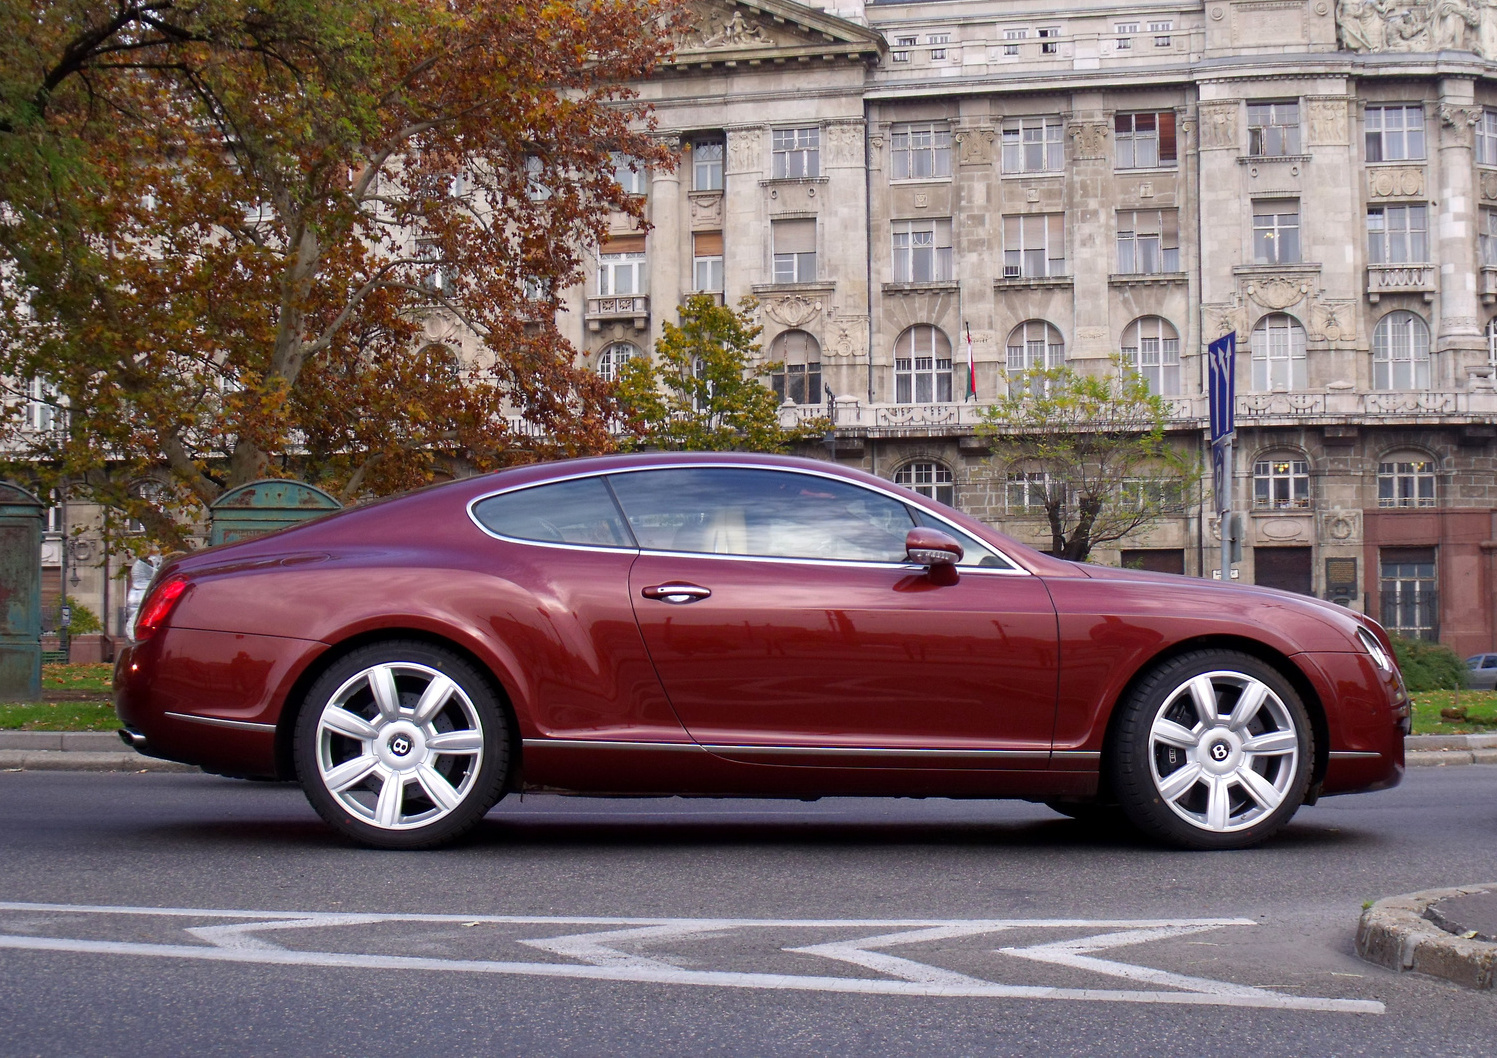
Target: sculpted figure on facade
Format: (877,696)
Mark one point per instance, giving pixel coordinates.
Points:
(736,32)
(1421,25)
(744,147)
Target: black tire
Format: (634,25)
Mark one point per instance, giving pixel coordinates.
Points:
(347,730)
(1092,813)
(1218,805)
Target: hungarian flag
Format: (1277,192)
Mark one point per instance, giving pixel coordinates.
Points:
(971,393)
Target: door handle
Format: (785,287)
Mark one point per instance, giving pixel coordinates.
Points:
(676,593)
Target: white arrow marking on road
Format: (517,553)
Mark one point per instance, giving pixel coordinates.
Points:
(589,947)
(858,953)
(242,934)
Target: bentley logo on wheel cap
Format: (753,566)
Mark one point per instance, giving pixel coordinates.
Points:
(1219,752)
(400,745)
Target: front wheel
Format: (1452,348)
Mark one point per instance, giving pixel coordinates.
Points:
(1213,750)
(402,745)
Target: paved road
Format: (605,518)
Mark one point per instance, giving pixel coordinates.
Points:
(591,927)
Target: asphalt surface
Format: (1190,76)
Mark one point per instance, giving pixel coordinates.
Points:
(991,893)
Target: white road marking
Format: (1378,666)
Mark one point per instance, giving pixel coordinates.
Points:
(599,959)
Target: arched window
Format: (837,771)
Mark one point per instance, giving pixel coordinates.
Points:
(1406,479)
(929,479)
(1034,345)
(1400,352)
(798,379)
(1278,354)
(1281,481)
(612,358)
(1151,346)
(437,363)
(922,366)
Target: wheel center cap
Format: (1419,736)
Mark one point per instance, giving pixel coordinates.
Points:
(400,745)
(1220,751)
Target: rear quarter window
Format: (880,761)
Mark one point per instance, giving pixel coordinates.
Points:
(581,511)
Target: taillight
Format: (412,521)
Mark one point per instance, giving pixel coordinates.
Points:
(154,611)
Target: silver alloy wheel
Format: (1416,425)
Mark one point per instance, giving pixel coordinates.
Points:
(399,745)
(1223,751)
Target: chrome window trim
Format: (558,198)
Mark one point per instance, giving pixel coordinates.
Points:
(216,721)
(903,495)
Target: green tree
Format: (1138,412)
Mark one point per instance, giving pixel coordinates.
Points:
(702,391)
(229,229)
(1091,450)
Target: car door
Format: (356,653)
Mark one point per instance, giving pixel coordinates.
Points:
(788,627)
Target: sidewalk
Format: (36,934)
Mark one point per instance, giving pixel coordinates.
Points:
(103,751)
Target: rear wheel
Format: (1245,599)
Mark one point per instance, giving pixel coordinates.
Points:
(1212,751)
(402,745)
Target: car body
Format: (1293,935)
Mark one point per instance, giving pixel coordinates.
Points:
(1481,672)
(742,625)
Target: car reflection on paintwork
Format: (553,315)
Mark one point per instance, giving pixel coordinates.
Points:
(1481,672)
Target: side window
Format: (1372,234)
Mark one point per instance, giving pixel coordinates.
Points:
(568,512)
(768,513)
(1490,662)
(974,551)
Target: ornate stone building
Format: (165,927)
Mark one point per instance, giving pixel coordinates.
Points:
(1073,184)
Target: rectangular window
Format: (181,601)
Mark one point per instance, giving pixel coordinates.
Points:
(1026,492)
(1273,129)
(1488,237)
(921,152)
(922,379)
(707,261)
(41,407)
(1148,241)
(1050,41)
(796,153)
(621,266)
(1276,231)
(438,277)
(1161,31)
(1145,141)
(1034,245)
(1397,234)
(1486,138)
(1125,32)
(797,383)
(903,46)
(1395,134)
(938,53)
(1406,483)
(630,173)
(1011,38)
(1407,587)
(922,251)
(1279,362)
(1033,145)
(707,165)
(794,251)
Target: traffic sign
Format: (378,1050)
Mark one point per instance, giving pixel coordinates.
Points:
(1221,384)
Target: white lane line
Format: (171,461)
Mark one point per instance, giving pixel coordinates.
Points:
(860,953)
(711,978)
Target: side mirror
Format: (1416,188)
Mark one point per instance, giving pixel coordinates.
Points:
(931,547)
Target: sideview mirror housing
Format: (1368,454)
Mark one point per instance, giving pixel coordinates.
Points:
(931,547)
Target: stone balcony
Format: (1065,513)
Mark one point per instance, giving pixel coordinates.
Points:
(1401,279)
(632,307)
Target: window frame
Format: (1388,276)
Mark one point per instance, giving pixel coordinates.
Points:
(611,265)
(1163,375)
(711,167)
(1134,247)
(903,151)
(1019,262)
(929,478)
(800,145)
(1386,372)
(1274,128)
(1282,237)
(1017,146)
(923,374)
(1376,131)
(1274,473)
(1385,241)
(936,252)
(1270,352)
(1407,483)
(1133,137)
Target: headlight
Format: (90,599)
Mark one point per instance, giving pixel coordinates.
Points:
(1375,648)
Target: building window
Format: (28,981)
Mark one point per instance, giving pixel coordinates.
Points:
(1148,241)
(535,173)
(1033,145)
(794,251)
(1050,40)
(931,480)
(921,152)
(1407,589)
(798,378)
(1034,345)
(1034,246)
(1400,352)
(1125,33)
(922,366)
(1145,141)
(621,267)
(1397,234)
(1151,346)
(1278,354)
(1395,134)
(1011,38)
(630,174)
(612,359)
(1161,31)
(1026,491)
(938,53)
(1273,129)
(1487,237)
(1406,479)
(1281,483)
(1492,342)
(922,251)
(796,153)
(1276,231)
(707,261)
(1486,138)
(707,165)
(437,275)
(902,46)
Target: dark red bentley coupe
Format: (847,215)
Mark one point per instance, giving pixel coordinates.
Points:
(742,625)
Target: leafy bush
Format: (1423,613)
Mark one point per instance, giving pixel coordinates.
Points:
(85,621)
(1429,666)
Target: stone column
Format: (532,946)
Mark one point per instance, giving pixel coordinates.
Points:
(1093,254)
(1459,335)
(668,263)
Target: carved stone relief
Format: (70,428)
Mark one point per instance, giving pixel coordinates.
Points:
(1403,183)
(1282,528)
(975,146)
(1341,526)
(1418,25)
(848,337)
(793,310)
(745,150)
(875,152)
(1327,122)
(844,145)
(1090,138)
(1333,321)
(1461,120)
(1277,294)
(1222,317)
(1489,186)
(1218,125)
(706,211)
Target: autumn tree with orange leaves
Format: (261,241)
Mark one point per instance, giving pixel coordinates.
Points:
(224,225)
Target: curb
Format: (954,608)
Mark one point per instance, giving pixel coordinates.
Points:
(1444,750)
(1394,933)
